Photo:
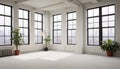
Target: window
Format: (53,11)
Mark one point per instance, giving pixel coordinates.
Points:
(71,28)
(5,25)
(38,28)
(24,25)
(57,29)
(101,24)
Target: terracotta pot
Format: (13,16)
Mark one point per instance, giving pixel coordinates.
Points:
(109,53)
(46,49)
(17,52)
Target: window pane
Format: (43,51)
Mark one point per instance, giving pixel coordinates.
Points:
(20,13)
(112,23)
(1,9)
(36,24)
(36,17)
(74,16)
(25,32)
(2,31)
(7,10)
(39,32)
(1,20)
(105,18)
(105,38)
(96,20)
(7,21)
(7,40)
(111,31)
(1,40)
(25,23)
(90,32)
(105,32)
(40,25)
(25,40)
(90,13)
(111,38)
(96,41)
(90,41)
(39,39)
(25,14)
(55,18)
(111,9)
(90,25)
(90,20)
(8,31)
(21,23)
(39,17)
(73,40)
(96,32)
(105,10)
(96,12)
(112,18)
(70,33)
(70,16)
(96,24)
(105,24)
(74,33)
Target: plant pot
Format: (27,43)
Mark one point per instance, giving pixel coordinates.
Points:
(46,49)
(17,52)
(109,53)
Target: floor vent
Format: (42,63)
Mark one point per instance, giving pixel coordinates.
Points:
(5,52)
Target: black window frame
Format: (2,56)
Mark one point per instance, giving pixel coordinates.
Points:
(39,28)
(56,29)
(7,25)
(71,29)
(100,25)
(25,27)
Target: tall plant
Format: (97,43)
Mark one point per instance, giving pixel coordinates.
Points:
(47,40)
(17,38)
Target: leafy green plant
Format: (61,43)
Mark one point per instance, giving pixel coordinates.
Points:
(110,45)
(47,39)
(17,38)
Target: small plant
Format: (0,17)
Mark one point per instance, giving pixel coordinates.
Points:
(17,38)
(47,40)
(110,47)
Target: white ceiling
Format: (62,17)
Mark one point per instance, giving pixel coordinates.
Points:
(53,4)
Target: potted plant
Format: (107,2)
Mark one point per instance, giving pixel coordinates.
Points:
(17,38)
(47,40)
(110,47)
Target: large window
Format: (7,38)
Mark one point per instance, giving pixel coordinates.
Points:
(24,25)
(38,28)
(57,29)
(71,28)
(5,25)
(101,24)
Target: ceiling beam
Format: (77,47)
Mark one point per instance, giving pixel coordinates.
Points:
(94,1)
(51,5)
(74,2)
(20,1)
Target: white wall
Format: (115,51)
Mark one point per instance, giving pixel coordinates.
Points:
(78,48)
(32,46)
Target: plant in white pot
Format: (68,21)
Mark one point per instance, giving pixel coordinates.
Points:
(110,47)
(47,40)
(17,39)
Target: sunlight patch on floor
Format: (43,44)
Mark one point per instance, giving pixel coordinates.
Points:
(49,55)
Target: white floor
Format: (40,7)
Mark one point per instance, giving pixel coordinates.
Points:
(59,60)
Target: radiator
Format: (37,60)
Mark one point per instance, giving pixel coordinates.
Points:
(5,52)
